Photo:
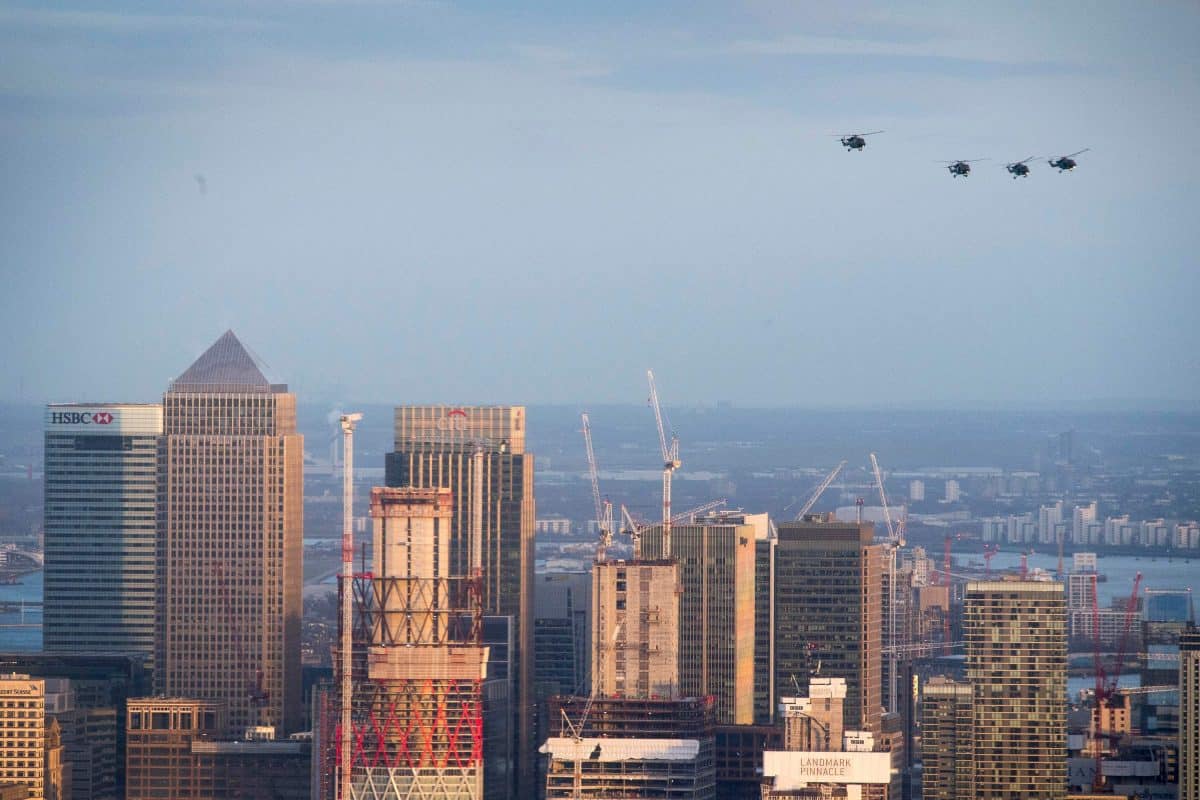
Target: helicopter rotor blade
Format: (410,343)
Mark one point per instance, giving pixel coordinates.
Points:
(872,133)
(1084,150)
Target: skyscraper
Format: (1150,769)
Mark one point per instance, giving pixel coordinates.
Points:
(1016,640)
(479,454)
(100,491)
(716,555)
(417,709)
(1189,714)
(229,547)
(828,611)
(947,739)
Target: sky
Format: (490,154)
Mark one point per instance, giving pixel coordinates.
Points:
(465,202)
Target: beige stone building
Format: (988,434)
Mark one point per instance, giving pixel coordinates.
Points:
(635,627)
(23,733)
(229,545)
(1016,637)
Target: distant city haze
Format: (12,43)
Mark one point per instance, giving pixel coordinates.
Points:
(458,202)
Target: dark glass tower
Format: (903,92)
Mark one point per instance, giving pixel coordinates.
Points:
(479,454)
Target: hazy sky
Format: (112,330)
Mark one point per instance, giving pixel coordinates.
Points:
(492,202)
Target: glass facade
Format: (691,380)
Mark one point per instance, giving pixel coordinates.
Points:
(100,490)
(829,612)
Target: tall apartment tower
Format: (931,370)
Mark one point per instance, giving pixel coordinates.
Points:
(1016,641)
(947,739)
(828,611)
(478,453)
(1189,714)
(716,556)
(100,492)
(229,546)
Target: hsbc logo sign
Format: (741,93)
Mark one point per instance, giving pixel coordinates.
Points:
(81,418)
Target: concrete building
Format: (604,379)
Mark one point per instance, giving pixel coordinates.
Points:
(1189,714)
(101,485)
(947,739)
(229,547)
(764,625)
(1016,639)
(635,622)
(828,611)
(23,734)
(916,491)
(417,704)
(1082,519)
(481,449)
(716,556)
(953,491)
(631,747)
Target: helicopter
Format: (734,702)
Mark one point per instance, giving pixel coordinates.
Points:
(961,167)
(1066,163)
(1019,169)
(855,141)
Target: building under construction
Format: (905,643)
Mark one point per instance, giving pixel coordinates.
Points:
(623,747)
(418,662)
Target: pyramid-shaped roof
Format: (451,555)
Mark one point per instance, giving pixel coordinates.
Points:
(224,366)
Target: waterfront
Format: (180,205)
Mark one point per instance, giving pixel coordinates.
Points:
(20,628)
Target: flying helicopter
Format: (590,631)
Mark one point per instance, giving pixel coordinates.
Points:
(1019,169)
(961,167)
(1066,163)
(855,141)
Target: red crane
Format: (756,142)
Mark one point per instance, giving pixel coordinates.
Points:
(989,552)
(1106,685)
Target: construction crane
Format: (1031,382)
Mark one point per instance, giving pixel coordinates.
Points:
(1106,685)
(602,507)
(670,459)
(634,527)
(348,421)
(989,552)
(896,542)
(887,514)
(820,490)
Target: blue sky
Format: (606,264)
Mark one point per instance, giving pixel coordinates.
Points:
(441,201)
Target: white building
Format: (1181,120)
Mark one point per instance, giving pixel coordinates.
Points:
(916,491)
(953,491)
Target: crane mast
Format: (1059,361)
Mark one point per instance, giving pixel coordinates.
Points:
(348,422)
(602,508)
(670,458)
(820,490)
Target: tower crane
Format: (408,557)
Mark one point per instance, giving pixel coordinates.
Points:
(820,490)
(634,527)
(603,508)
(896,541)
(1106,684)
(671,462)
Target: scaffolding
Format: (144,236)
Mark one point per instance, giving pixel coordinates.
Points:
(417,708)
